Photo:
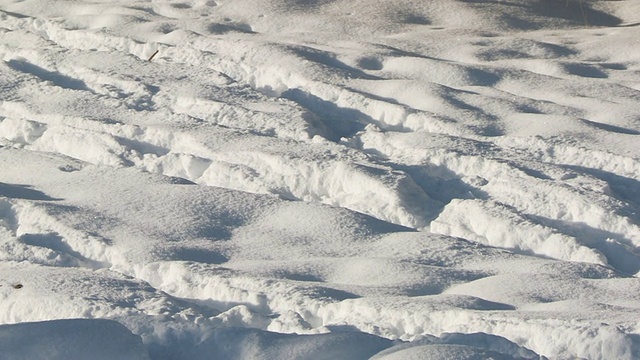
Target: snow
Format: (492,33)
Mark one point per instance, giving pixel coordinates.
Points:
(70,339)
(319,179)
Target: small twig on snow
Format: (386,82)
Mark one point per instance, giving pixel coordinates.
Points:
(154,54)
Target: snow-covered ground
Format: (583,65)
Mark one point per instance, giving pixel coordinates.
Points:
(319,179)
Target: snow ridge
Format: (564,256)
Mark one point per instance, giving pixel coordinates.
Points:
(358,173)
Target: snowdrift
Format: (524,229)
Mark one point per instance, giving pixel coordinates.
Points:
(319,179)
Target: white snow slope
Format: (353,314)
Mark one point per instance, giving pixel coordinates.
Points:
(319,179)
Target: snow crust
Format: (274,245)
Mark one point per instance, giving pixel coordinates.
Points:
(289,179)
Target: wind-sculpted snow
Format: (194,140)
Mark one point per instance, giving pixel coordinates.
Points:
(319,179)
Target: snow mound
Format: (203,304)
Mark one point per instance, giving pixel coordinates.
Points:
(70,339)
(458,346)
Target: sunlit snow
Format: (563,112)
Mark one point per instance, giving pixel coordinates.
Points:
(319,179)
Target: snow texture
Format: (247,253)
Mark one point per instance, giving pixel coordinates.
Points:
(306,179)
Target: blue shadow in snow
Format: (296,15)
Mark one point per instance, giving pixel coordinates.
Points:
(25,192)
(55,77)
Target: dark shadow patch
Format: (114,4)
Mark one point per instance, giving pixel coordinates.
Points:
(221,29)
(204,256)
(174,180)
(461,104)
(487,124)
(144,9)
(486,305)
(415,19)
(68,168)
(521,49)
(181,6)
(532,172)
(613,66)
(585,70)
(194,305)
(14,14)
(300,277)
(442,184)
(516,22)
(556,51)
(330,60)
(57,243)
(166,28)
(501,54)
(393,51)
(528,109)
(370,63)
(538,14)
(377,226)
(342,122)
(305,5)
(14,191)
(217,232)
(51,241)
(576,11)
(330,294)
(387,100)
(481,77)
(611,128)
(92,223)
(438,280)
(342,328)
(54,77)
(489,130)
(152,89)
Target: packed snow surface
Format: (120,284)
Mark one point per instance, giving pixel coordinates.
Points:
(319,179)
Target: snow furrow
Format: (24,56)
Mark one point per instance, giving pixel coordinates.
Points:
(563,154)
(400,200)
(409,322)
(32,234)
(522,201)
(248,64)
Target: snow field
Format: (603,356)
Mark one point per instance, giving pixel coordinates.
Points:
(218,289)
(401,182)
